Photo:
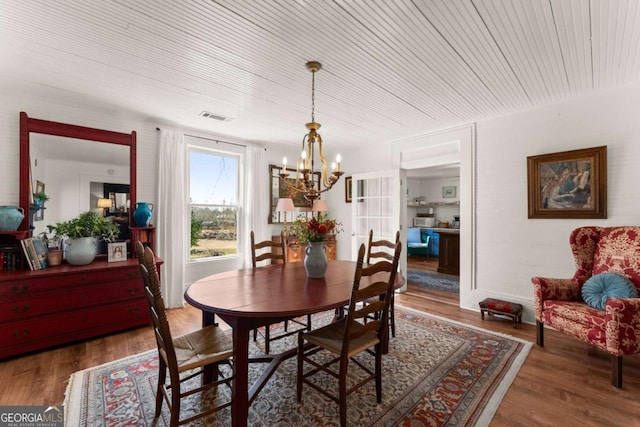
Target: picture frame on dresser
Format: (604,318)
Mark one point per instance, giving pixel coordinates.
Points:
(117,251)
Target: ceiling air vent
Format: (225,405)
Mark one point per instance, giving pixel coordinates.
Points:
(215,117)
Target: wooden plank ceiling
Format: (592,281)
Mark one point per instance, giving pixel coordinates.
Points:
(391,69)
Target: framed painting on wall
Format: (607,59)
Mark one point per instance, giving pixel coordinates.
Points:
(568,184)
(277,191)
(449,192)
(348,189)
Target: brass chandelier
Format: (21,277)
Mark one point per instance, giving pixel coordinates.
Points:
(305,165)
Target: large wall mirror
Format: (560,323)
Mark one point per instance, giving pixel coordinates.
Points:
(79,167)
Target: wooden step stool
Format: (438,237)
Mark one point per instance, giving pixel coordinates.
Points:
(502,308)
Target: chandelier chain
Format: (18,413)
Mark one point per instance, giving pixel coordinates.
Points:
(313,96)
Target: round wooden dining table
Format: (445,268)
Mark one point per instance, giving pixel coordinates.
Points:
(250,298)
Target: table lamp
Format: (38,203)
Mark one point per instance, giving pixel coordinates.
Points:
(104,204)
(285,205)
(320,206)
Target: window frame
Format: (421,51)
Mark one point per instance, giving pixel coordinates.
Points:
(212,147)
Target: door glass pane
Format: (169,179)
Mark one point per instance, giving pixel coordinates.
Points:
(374,207)
(386,186)
(387,230)
(362,227)
(373,187)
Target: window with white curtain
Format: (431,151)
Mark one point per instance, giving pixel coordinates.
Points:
(214,202)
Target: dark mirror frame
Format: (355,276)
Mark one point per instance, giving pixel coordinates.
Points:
(29,125)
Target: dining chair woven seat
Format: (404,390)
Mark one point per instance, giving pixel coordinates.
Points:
(199,352)
(350,336)
(202,347)
(331,338)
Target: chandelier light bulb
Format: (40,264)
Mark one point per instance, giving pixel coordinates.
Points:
(284,163)
(333,166)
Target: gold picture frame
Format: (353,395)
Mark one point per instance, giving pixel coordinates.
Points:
(277,191)
(568,184)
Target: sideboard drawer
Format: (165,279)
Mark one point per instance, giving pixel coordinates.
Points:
(20,336)
(30,304)
(29,285)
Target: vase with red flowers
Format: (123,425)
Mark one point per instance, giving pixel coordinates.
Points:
(313,231)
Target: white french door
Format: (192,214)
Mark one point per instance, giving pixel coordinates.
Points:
(376,206)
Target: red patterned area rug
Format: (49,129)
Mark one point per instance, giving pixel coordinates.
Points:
(437,373)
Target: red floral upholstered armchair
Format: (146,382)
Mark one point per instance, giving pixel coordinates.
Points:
(559,302)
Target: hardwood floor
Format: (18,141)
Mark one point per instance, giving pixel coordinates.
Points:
(566,383)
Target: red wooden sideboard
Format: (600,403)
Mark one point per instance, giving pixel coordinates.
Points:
(62,304)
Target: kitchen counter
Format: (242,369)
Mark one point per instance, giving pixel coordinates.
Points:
(443,230)
(449,248)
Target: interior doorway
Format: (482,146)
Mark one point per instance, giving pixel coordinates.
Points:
(452,149)
(433,206)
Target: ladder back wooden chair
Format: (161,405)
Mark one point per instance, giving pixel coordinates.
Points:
(383,250)
(274,251)
(207,347)
(350,336)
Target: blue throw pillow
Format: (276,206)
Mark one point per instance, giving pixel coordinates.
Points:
(599,288)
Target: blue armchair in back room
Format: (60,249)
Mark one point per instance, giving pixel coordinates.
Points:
(417,242)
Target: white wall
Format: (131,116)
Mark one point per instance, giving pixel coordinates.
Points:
(513,248)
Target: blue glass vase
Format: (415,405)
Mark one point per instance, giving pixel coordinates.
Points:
(143,213)
(10,218)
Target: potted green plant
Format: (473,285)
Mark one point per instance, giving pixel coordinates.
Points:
(83,233)
(39,198)
(53,242)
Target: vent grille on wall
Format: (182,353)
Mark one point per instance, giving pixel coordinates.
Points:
(215,116)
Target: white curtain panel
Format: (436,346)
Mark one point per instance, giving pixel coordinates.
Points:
(256,210)
(171,210)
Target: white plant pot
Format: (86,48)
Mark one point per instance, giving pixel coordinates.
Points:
(81,251)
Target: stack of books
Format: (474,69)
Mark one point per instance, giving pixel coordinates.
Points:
(35,252)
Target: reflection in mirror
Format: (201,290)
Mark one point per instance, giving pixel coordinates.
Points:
(75,172)
(118,194)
